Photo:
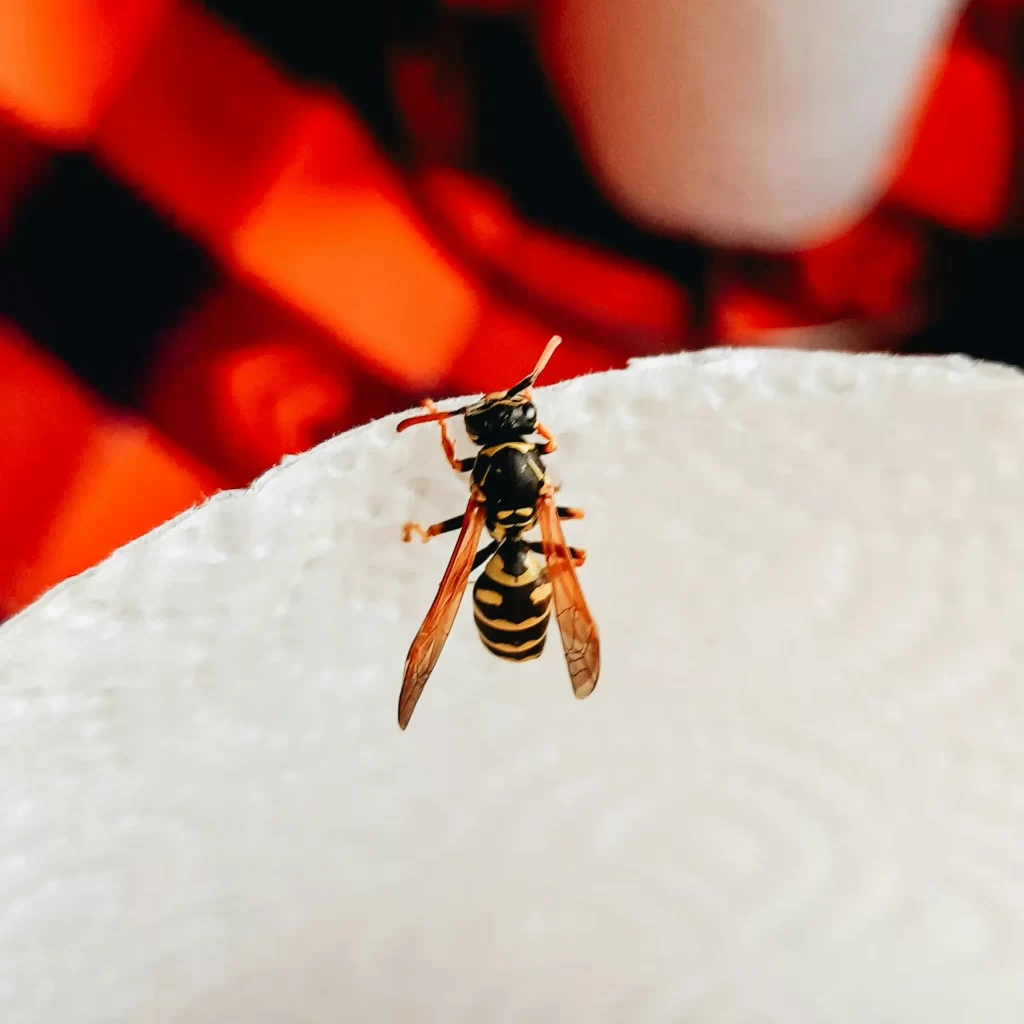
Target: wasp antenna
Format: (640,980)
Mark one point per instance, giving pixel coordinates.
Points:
(549,349)
(541,363)
(430,417)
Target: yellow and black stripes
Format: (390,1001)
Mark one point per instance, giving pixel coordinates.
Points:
(512,603)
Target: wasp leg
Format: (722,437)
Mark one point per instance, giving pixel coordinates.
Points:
(436,530)
(459,465)
(566,512)
(552,444)
(484,553)
(578,555)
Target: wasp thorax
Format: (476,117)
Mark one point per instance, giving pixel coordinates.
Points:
(496,419)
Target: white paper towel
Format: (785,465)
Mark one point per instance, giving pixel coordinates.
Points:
(760,123)
(797,794)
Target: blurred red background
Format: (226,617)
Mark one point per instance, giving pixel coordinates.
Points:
(228,232)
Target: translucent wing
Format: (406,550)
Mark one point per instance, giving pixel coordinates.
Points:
(575,623)
(426,648)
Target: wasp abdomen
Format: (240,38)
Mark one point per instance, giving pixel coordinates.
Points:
(512,604)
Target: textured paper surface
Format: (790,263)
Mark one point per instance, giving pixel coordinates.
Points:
(797,794)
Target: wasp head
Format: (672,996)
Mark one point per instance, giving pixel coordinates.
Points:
(500,417)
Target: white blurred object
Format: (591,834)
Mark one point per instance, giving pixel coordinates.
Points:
(797,794)
(750,122)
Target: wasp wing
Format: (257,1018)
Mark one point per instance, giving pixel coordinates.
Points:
(575,623)
(426,648)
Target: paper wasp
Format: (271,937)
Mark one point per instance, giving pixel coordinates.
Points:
(510,494)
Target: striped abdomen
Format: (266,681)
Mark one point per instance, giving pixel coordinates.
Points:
(512,603)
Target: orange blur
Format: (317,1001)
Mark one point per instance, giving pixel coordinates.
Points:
(350,289)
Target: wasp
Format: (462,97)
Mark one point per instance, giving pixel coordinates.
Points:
(510,494)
